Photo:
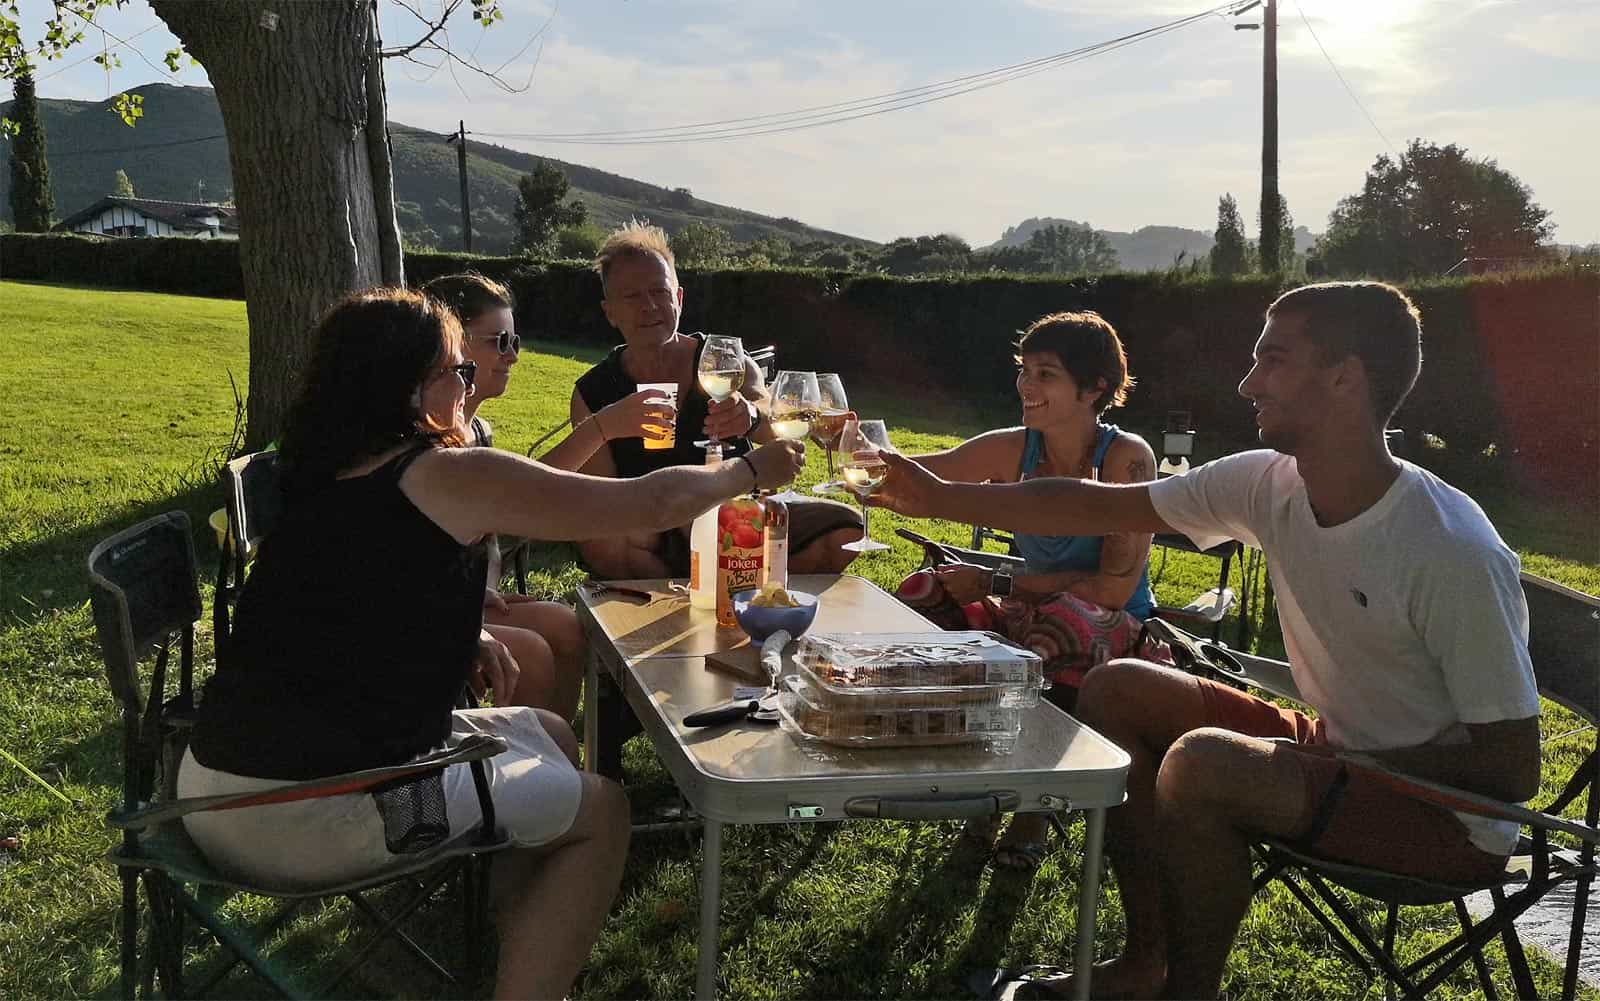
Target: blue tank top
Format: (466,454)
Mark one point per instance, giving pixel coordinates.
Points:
(1054,553)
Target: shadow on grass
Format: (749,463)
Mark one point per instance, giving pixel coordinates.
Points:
(934,881)
(49,574)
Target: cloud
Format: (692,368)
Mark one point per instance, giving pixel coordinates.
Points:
(1564,34)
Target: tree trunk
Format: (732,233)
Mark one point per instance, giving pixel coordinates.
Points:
(292,81)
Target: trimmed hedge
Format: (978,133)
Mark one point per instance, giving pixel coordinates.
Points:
(1513,362)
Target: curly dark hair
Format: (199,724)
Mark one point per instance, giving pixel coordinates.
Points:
(1089,349)
(373,349)
(470,294)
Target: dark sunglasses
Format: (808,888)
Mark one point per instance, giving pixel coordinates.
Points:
(505,341)
(467,370)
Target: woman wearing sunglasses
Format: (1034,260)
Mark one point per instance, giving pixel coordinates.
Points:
(543,636)
(347,655)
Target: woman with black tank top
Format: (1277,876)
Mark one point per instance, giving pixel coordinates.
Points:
(348,655)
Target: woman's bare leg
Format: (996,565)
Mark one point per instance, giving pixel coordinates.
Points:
(551,902)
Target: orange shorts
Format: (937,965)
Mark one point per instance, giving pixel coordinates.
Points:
(1349,816)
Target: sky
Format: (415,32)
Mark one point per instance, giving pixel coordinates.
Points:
(1152,133)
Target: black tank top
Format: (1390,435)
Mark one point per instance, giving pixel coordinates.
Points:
(353,635)
(609,382)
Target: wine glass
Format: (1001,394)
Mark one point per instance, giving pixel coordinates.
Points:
(721,372)
(796,399)
(827,425)
(864,472)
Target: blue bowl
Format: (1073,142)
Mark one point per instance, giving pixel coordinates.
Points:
(761,622)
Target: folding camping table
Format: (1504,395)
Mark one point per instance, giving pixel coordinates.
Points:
(749,773)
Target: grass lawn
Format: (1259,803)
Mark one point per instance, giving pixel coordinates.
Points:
(117,405)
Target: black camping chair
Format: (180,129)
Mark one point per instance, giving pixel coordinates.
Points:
(1564,641)
(144,592)
(250,489)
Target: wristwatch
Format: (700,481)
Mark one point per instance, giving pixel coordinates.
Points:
(1000,583)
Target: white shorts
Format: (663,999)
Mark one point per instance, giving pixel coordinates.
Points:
(324,842)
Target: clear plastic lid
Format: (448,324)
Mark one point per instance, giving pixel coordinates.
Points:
(919,722)
(971,665)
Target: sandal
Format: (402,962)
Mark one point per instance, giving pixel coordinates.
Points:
(1020,983)
(1021,852)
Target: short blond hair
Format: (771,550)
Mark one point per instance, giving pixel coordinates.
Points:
(636,238)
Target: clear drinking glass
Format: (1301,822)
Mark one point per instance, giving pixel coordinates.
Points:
(829,424)
(864,472)
(795,402)
(721,372)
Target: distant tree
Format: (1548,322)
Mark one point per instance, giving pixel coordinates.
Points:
(1288,260)
(1072,250)
(542,209)
(1424,213)
(580,242)
(702,245)
(766,252)
(1230,254)
(682,198)
(121,186)
(32,205)
(923,255)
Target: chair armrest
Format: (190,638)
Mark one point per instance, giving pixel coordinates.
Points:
(474,747)
(1463,801)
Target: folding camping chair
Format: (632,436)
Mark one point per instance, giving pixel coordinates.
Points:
(1564,641)
(144,593)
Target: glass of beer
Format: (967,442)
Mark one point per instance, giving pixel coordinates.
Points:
(864,471)
(721,371)
(827,425)
(660,437)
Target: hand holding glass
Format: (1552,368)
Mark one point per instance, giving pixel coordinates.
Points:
(864,472)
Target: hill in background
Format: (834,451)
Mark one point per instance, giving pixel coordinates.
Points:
(1149,248)
(175,154)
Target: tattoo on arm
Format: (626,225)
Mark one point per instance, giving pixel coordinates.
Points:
(1139,470)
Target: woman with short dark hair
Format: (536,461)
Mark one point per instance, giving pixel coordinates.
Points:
(1079,601)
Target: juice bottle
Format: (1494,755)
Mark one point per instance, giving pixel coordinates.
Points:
(776,570)
(703,537)
(741,542)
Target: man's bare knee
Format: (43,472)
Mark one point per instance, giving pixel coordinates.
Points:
(1118,687)
(560,731)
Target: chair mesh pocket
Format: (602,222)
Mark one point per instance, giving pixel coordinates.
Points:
(413,812)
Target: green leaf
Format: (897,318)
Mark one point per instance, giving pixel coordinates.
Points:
(129,107)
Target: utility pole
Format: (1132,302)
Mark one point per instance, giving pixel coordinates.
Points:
(460,141)
(1271,223)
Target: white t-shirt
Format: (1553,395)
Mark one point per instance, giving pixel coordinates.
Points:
(1401,624)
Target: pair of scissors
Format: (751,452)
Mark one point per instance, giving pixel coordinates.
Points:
(759,705)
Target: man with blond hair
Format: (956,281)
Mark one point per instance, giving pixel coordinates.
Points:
(643,300)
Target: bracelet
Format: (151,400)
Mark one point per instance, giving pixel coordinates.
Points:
(755,476)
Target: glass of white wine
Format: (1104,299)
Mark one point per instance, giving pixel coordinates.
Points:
(721,372)
(795,402)
(864,471)
(827,425)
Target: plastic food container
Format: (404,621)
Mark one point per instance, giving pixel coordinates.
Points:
(967,667)
(922,719)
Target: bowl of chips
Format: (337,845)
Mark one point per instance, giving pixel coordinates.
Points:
(764,612)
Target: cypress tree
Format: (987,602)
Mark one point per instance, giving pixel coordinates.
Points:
(31,202)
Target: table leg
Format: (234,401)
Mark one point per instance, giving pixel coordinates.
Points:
(1088,898)
(705,977)
(591,709)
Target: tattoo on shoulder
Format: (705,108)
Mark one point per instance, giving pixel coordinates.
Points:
(1140,471)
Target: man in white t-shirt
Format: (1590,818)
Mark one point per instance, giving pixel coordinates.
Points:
(1402,614)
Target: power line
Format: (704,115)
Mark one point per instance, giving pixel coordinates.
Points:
(1347,87)
(133,149)
(865,107)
